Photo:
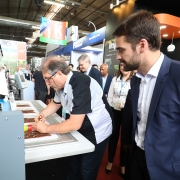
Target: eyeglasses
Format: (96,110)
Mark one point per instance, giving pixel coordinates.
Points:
(48,79)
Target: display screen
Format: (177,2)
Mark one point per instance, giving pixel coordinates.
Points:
(22,78)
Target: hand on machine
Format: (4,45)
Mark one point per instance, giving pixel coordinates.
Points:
(39,117)
(39,124)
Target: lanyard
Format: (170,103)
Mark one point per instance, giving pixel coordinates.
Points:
(123,83)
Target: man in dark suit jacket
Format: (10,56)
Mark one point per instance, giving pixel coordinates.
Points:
(126,135)
(86,67)
(155,92)
(106,78)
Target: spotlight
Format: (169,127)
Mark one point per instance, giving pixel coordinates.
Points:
(73,13)
(171,47)
(88,24)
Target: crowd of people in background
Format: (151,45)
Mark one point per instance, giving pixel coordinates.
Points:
(140,104)
(115,90)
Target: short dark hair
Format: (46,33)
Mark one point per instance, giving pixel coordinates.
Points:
(140,25)
(95,65)
(71,65)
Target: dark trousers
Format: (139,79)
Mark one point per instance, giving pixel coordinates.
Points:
(138,169)
(86,166)
(41,96)
(115,135)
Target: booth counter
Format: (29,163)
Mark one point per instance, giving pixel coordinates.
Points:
(51,148)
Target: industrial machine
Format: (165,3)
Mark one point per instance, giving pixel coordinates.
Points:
(17,150)
(12,153)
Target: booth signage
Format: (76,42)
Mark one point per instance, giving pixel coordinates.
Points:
(88,40)
(91,38)
(54,32)
(78,43)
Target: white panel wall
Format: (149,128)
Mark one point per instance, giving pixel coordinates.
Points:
(99,60)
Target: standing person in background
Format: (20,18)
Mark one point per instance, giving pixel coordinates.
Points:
(86,67)
(51,93)
(40,87)
(86,111)
(155,92)
(95,66)
(78,69)
(71,66)
(32,73)
(106,78)
(6,71)
(4,85)
(27,73)
(18,71)
(118,91)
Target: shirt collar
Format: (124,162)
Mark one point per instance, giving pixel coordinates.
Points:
(88,70)
(65,90)
(105,76)
(154,69)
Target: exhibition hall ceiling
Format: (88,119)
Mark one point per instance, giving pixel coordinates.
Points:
(75,12)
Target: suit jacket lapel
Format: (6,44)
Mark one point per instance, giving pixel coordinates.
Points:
(158,87)
(105,87)
(134,97)
(90,72)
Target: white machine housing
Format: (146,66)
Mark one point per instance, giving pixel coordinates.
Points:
(21,81)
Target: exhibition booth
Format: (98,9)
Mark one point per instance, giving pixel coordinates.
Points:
(92,44)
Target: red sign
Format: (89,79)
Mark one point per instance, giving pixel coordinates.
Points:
(21,47)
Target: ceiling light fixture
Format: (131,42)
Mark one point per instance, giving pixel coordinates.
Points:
(18,22)
(54,3)
(74,12)
(117,3)
(35,27)
(30,38)
(163,27)
(165,35)
(171,47)
(88,24)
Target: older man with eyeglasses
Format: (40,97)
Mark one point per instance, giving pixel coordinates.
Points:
(87,111)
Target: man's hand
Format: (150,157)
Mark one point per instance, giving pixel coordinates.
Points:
(40,126)
(39,117)
(119,106)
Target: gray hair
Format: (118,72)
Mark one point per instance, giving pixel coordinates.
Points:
(84,57)
(53,64)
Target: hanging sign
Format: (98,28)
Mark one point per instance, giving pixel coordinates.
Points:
(54,32)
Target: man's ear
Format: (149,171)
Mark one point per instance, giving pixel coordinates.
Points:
(143,44)
(59,72)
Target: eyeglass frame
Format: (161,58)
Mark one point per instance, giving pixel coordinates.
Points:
(48,79)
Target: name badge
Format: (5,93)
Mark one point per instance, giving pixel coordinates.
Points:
(63,114)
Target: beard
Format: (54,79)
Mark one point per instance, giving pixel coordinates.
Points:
(132,64)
